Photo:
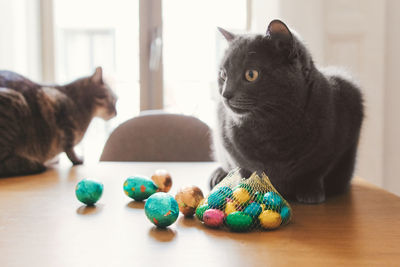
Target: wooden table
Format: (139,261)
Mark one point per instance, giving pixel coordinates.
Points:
(43,224)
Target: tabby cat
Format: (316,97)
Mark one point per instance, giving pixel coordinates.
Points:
(281,114)
(37,122)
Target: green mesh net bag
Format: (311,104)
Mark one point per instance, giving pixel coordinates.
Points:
(244,204)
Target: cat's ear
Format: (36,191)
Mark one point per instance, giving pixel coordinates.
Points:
(228,35)
(97,77)
(278,32)
(277,27)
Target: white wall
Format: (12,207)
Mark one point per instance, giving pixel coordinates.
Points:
(357,35)
(392,99)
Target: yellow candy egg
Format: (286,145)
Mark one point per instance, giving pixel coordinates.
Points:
(263,207)
(270,219)
(241,195)
(230,207)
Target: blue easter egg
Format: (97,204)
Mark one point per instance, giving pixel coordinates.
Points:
(88,191)
(285,214)
(259,197)
(226,191)
(253,209)
(139,188)
(161,209)
(272,201)
(217,199)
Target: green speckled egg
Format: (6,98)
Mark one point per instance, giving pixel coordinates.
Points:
(239,221)
(88,191)
(200,211)
(273,201)
(285,214)
(217,199)
(253,209)
(139,188)
(161,209)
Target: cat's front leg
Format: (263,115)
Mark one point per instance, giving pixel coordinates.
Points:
(310,191)
(73,157)
(217,176)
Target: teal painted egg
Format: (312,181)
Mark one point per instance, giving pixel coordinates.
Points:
(217,199)
(88,191)
(161,209)
(253,209)
(285,214)
(226,191)
(272,201)
(139,188)
(239,221)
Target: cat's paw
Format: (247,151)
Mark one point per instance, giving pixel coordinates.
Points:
(77,161)
(217,177)
(315,197)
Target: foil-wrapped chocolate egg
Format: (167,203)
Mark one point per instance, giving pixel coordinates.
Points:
(239,221)
(241,195)
(200,211)
(188,199)
(89,191)
(285,214)
(217,199)
(163,180)
(213,218)
(273,201)
(230,207)
(139,188)
(253,209)
(161,209)
(270,219)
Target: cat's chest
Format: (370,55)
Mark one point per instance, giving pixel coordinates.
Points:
(250,141)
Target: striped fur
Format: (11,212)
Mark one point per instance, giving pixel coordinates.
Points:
(37,122)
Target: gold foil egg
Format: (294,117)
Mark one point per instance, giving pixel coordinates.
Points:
(163,180)
(188,199)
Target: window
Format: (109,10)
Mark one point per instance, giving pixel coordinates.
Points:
(101,33)
(61,40)
(193,48)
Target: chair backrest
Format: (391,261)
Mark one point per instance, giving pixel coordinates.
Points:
(159,137)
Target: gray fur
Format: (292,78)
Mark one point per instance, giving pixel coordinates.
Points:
(297,123)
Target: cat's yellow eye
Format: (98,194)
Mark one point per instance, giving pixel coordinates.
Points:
(251,75)
(222,74)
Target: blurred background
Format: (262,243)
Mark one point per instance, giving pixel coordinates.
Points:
(164,54)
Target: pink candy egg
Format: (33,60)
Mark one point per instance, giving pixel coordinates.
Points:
(213,217)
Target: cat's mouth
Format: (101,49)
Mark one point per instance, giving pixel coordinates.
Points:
(235,107)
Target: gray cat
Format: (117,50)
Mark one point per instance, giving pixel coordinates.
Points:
(280,114)
(38,122)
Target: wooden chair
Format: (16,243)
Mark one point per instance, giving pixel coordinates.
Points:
(156,136)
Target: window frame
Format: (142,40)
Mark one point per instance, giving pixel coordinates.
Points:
(150,49)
